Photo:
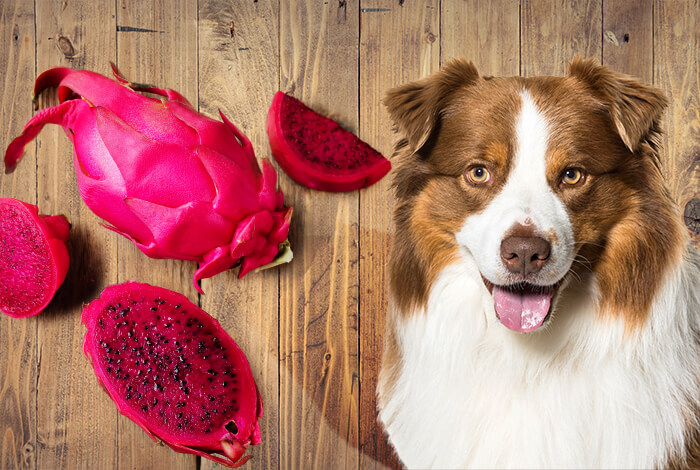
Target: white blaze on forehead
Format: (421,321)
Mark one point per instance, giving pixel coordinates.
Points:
(532,132)
(527,199)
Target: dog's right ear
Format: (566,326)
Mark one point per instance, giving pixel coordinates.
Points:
(415,107)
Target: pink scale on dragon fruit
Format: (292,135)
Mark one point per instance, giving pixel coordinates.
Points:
(178,184)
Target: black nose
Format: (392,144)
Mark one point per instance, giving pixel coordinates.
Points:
(525,255)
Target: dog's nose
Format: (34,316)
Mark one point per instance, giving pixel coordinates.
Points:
(525,255)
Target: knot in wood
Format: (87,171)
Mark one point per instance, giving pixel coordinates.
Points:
(691,215)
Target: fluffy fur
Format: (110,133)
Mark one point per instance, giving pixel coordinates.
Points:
(612,377)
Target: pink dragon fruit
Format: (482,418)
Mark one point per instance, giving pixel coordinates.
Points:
(33,257)
(316,152)
(176,183)
(174,371)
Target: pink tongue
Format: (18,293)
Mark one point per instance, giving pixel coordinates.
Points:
(521,311)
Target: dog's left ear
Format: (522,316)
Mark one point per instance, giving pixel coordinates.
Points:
(635,108)
(415,107)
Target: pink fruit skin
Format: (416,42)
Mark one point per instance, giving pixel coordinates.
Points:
(220,445)
(178,184)
(55,231)
(287,157)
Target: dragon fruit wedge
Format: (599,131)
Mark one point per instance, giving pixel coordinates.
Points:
(174,371)
(316,152)
(33,257)
(177,183)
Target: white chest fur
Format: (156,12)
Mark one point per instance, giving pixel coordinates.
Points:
(578,394)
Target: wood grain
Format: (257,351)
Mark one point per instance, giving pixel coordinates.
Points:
(156,43)
(628,40)
(239,74)
(677,72)
(398,44)
(485,32)
(17,60)
(318,306)
(552,32)
(313,329)
(18,348)
(76,421)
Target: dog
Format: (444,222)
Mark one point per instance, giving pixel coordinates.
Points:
(544,294)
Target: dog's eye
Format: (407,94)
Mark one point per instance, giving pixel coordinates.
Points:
(478,175)
(572,177)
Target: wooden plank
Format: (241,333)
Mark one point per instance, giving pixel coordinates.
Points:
(554,31)
(483,31)
(17,60)
(398,44)
(18,349)
(318,305)
(677,72)
(157,43)
(77,429)
(239,74)
(628,42)
(320,399)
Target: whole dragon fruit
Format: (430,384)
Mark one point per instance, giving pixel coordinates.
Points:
(177,183)
(33,257)
(174,371)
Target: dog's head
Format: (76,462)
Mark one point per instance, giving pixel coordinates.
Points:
(540,180)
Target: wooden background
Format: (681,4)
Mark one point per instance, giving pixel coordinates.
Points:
(311,329)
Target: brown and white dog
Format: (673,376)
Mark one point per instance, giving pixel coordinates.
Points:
(545,298)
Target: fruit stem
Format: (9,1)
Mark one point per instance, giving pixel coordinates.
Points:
(233,450)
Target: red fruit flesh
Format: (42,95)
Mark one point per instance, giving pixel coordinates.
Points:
(173,370)
(33,257)
(316,152)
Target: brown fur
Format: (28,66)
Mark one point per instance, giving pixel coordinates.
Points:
(433,195)
(414,107)
(634,108)
(639,231)
(689,458)
(625,225)
(627,229)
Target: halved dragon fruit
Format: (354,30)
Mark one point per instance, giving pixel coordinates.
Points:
(173,370)
(33,257)
(316,152)
(178,184)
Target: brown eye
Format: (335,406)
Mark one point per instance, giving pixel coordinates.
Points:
(478,175)
(572,177)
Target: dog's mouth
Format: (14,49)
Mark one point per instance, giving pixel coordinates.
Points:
(523,307)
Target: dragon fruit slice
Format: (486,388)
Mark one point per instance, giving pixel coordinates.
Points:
(174,371)
(316,152)
(33,257)
(176,183)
